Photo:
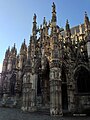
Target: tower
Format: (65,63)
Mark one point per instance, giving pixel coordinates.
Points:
(29,74)
(55,69)
(23,55)
(5,62)
(20,64)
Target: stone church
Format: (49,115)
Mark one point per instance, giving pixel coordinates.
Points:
(52,72)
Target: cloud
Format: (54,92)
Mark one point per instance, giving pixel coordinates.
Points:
(0,67)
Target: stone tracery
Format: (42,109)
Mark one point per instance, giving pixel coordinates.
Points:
(46,68)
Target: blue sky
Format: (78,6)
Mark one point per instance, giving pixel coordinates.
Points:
(16,18)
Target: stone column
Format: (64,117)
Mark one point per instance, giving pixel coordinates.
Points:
(17,87)
(71,91)
(34,91)
(71,97)
(46,93)
(55,92)
(6,89)
(26,93)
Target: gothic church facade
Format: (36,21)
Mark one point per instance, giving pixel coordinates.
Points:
(52,72)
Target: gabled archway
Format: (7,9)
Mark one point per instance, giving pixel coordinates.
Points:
(82,77)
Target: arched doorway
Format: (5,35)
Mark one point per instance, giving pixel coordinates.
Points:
(43,85)
(82,77)
(46,85)
(12,85)
(64,88)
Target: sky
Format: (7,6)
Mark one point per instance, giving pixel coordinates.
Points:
(16,17)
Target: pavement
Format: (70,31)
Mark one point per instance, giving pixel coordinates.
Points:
(17,114)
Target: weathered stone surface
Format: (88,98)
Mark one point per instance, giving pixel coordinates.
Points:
(53,71)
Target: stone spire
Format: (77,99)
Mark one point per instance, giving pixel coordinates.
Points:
(5,61)
(23,55)
(44,22)
(45,27)
(34,29)
(7,52)
(86,22)
(14,50)
(34,32)
(29,47)
(55,82)
(68,31)
(28,62)
(54,19)
(23,48)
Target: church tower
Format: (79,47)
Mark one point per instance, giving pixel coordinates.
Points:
(55,69)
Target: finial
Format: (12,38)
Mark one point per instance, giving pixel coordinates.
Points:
(86,17)
(14,45)
(86,21)
(67,21)
(44,21)
(54,19)
(24,41)
(49,24)
(67,25)
(8,47)
(85,14)
(53,7)
(34,29)
(34,17)
(68,31)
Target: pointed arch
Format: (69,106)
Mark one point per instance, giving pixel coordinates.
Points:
(82,78)
(12,84)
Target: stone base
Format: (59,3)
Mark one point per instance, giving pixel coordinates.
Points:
(29,109)
(9,102)
(55,112)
